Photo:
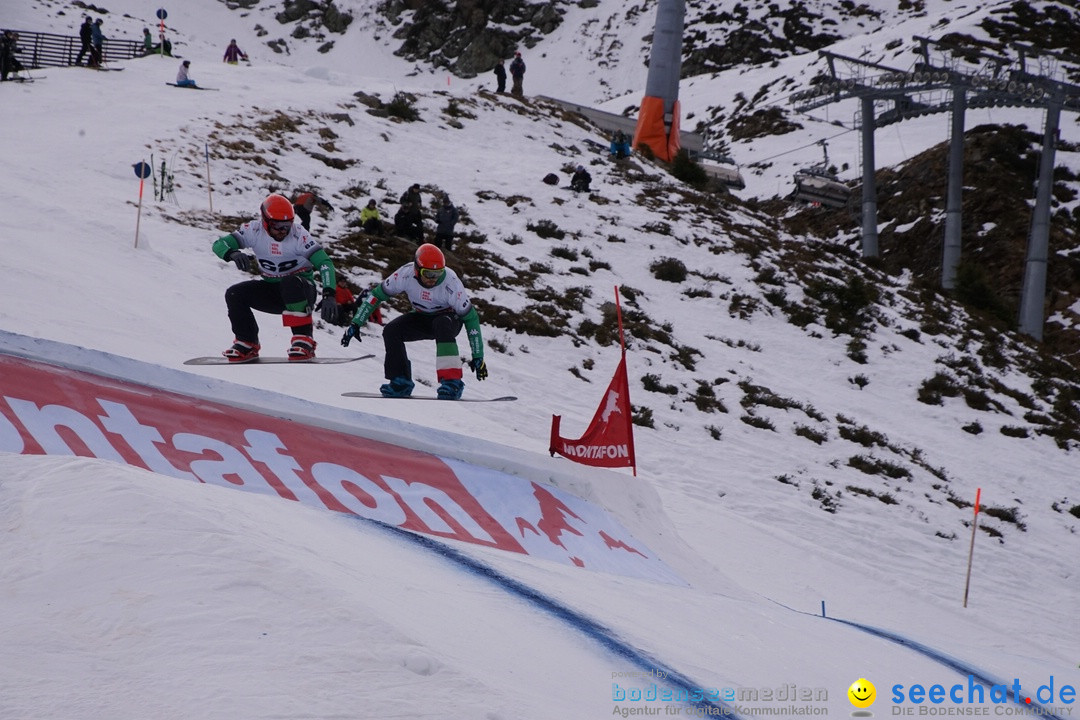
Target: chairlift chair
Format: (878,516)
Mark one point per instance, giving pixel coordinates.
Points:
(818,184)
(722,168)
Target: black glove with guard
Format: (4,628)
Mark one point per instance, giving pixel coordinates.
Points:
(329,306)
(353,331)
(479,367)
(240,259)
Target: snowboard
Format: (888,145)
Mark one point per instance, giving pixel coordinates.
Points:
(191,87)
(274,360)
(380,396)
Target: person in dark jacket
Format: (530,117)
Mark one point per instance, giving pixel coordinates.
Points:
(233,53)
(97,43)
(412,196)
(445,219)
(581,179)
(517,71)
(9,64)
(500,77)
(409,222)
(85,36)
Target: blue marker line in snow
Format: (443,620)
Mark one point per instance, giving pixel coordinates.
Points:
(574,619)
(952,663)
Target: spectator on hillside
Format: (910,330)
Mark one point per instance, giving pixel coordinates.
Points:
(581,179)
(97,41)
(370,220)
(500,77)
(182,79)
(445,219)
(9,64)
(304,203)
(347,303)
(149,47)
(412,196)
(86,31)
(517,71)
(409,222)
(620,146)
(233,53)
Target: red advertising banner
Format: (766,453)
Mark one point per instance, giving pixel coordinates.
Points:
(51,410)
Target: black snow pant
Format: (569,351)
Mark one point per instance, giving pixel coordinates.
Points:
(82,51)
(292,298)
(415,326)
(444,240)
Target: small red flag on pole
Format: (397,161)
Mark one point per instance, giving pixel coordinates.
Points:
(609,439)
(971,550)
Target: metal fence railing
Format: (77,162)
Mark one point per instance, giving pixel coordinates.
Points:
(39,49)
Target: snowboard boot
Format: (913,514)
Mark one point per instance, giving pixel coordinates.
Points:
(399,387)
(302,348)
(450,389)
(242,352)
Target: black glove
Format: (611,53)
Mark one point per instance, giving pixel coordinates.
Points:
(242,260)
(329,306)
(353,331)
(479,367)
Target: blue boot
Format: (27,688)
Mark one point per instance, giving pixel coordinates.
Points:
(451,389)
(399,387)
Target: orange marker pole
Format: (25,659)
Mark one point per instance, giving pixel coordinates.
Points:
(971,550)
(209,187)
(142,170)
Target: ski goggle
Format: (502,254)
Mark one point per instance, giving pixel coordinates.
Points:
(432,274)
(278,227)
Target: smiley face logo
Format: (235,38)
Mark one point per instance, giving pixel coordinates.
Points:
(862,693)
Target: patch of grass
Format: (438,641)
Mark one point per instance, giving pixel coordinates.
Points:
(828,502)
(875,466)
(1014,431)
(643,416)
(546,229)
(941,385)
(705,398)
(883,497)
(761,395)
(816,436)
(685,169)
(1009,515)
(974,428)
(565,253)
(758,422)
(863,436)
(403,107)
(652,383)
(669,270)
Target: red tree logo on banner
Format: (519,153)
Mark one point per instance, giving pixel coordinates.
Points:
(609,439)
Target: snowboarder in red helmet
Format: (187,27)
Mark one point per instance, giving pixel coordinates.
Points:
(441,307)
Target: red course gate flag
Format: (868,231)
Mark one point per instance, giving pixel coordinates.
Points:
(609,440)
